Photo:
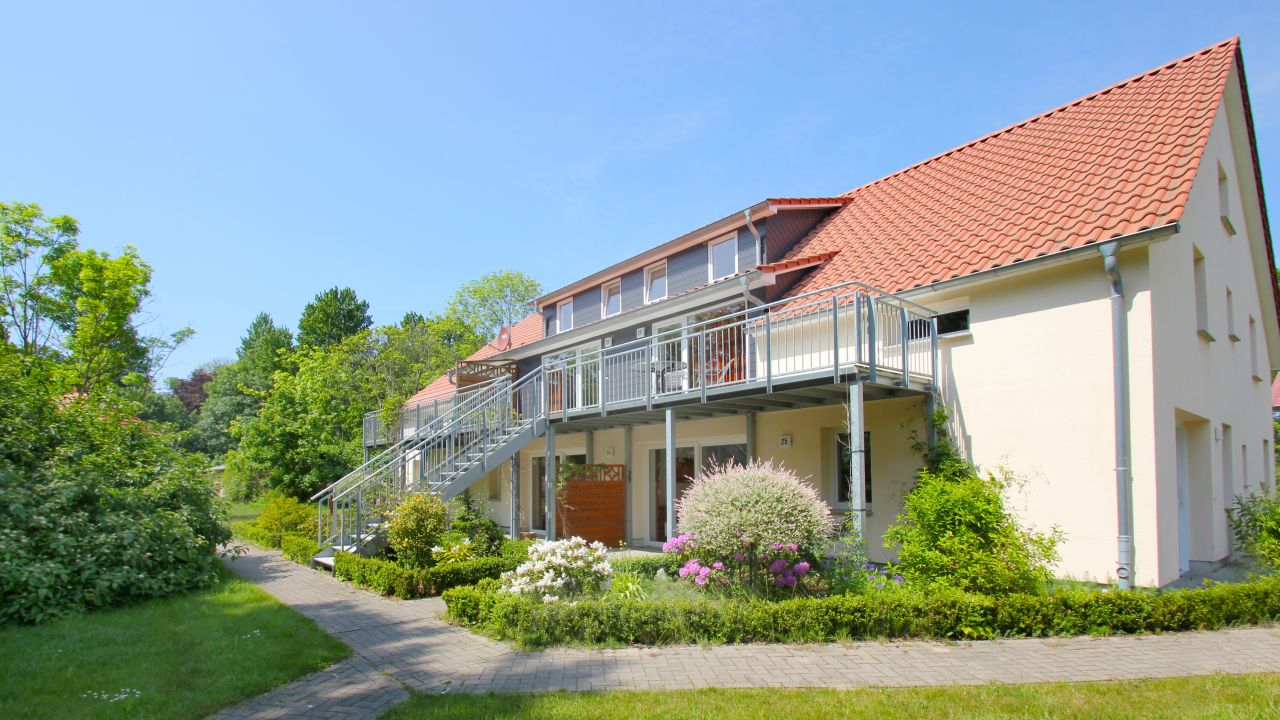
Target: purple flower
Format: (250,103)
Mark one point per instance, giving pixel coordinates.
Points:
(717,565)
(701,580)
(777,546)
(778,566)
(787,580)
(739,556)
(801,568)
(793,547)
(899,579)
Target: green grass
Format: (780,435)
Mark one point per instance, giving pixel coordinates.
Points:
(243,511)
(180,657)
(1213,696)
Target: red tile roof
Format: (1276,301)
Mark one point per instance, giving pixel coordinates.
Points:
(528,330)
(1275,392)
(793,262)
(807,201)
(1114,163)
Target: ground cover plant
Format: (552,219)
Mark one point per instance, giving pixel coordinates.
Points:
(1216,696)
(178,657)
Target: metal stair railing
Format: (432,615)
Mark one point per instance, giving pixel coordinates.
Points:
(484,428)
(346,522)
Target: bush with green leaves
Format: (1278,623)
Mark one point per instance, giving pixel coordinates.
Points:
(738,523)
(415,527)
(1255,522)
(516,551)
(905,612)
(299,548)
(453,547)
(99,508)
(956,531)
(388,578)
(284,515)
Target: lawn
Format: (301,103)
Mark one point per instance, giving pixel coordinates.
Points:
(245,511)
(1214,696)
(180,657)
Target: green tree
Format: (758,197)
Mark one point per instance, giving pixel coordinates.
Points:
(495,300)
(30,244)
(333,316)
(236,390)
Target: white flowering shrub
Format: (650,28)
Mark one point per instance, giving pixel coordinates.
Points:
(560,569)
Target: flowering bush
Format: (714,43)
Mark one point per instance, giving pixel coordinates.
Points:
(560,569)
(454,547)
(760,526)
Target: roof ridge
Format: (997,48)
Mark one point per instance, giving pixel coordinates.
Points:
(1233,41)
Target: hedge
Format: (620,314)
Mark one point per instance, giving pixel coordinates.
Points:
(299,548)
(890,614)
(388,578)
(647,565)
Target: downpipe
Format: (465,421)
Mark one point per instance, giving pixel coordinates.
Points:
(1120,384)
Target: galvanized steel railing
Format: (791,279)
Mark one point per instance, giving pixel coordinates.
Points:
(834,331)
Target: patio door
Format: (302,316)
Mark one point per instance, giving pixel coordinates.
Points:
(685,468)
(574,379)
(538,506)
(670,358)
(718,351)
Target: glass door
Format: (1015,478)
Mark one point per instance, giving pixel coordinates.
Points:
(670,358)
(685,468)
(718,351)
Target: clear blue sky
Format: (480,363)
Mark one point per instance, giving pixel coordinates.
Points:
(257,153)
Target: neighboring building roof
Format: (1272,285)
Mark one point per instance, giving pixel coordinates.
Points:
(528,330)
(1114,163)
(1275,392)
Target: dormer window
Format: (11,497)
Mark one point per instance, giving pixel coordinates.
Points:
(724,257)
(611,299)
(564,316)
(655,282)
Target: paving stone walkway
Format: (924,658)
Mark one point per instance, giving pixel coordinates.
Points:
(404,646)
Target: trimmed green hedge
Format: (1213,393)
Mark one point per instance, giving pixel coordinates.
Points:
(895,614)
(647,565)
(388,578)
(299,548)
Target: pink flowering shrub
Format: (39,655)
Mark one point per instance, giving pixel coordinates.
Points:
(760,527)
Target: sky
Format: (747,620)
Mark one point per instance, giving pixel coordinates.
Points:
(257,153)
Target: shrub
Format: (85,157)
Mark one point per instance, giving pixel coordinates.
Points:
(742,523)
(486,535)
(299,548)
(559,569)
(454,547)
(1255,522)
(646,566)
(415,526)
(900,613)
(284,515)
(955,531)
(249,532)
(516,551)
(99,508)
(388,578)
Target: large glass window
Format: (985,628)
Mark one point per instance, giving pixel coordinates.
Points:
(716,455)
(724,258)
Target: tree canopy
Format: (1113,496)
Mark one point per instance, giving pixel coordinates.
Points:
(495,300)
(333,316)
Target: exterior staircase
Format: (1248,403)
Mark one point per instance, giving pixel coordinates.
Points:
(444,457)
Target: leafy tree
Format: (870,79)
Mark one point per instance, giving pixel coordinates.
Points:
(333,316)
(236,390)
(307,432)
(30,244)
(495,300)
(190,391)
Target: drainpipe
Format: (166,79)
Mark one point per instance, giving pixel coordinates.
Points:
(1120,382)
(760,257)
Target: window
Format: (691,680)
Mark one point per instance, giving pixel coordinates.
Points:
(564,316)
(611,299)
(655,282)
(1231,317)
(1253,349)
(1202,297)
(844,472)
(953,322)
(1224,200)
(724,257)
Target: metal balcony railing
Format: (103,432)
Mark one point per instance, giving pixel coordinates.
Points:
(830,332)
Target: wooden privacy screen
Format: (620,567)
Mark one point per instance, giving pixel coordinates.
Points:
(593,504)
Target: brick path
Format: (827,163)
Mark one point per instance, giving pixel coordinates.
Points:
(403,645)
